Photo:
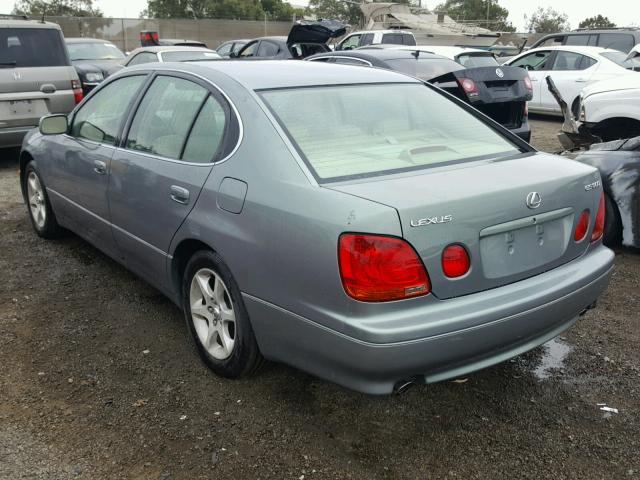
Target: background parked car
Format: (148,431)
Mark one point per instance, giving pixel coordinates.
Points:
(499,92)
(169,54)
(622,39)
(571,68)
(305,38)
(226,49)
(36,77)
(150,38)
(375,37)
(610,109)
(94,60)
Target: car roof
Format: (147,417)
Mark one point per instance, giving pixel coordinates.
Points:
(237,40)
(171,48)
(280,38)
(25,23)
(381,31)
(442,50)
(270,74)
(571,48)
(85,40)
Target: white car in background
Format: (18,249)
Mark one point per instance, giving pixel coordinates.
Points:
(572,69)
(467,57)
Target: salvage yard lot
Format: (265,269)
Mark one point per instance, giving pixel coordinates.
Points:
(97,380)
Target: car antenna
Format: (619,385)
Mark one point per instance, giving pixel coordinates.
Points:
(416,53)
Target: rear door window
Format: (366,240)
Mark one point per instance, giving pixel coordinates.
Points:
(101,117)
(367,39)
(569,61)
(249,50)
(392,38)
(582,40)
(616,41)
(267,49)
(205,139)
(165,115)
(32,47)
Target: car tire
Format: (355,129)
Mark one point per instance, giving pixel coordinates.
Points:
(41,214)
(612,223)
(217,318)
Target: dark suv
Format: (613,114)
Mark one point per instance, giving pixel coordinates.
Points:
(623,39)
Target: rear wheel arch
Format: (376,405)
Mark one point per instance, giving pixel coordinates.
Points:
(182,254)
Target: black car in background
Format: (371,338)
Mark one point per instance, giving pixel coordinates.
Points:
(94,60)
(305,38)
(501,93)
(226,49)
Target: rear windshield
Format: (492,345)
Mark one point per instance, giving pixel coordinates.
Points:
(424,68)
(94,51)
(350,131)
(32,47)
(621,59)
(471,60)
(185,56)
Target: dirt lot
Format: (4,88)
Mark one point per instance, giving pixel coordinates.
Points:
(97,380)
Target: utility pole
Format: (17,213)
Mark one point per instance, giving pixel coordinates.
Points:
(488,7)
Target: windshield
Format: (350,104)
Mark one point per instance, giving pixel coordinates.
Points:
(621,59)
(94,51)
(188,55)
(32,47)
(424,68)
(364,130)
(471,60)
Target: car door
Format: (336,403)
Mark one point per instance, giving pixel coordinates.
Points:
(79,173)
(570,71)
(536,64)
(172,142)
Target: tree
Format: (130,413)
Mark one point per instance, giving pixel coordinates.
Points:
(597,22)
(238,9)
(57,8)
(335,9)
(476,11)
(547,21)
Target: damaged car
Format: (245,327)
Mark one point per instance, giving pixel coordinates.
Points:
(619,165)
(305,38)
(501,93)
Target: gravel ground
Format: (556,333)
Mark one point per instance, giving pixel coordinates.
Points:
(97,380)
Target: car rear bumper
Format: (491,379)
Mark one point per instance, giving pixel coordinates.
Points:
(12,137)
(523,316)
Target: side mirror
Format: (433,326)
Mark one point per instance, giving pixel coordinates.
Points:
(53,125)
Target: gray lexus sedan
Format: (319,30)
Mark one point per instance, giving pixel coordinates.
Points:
(352,222)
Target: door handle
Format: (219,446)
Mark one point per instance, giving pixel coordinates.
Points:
(99,167)
(179,194)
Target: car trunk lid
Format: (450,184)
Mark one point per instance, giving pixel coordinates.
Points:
(482,205)
(307,31)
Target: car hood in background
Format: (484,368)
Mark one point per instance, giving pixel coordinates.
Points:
(320,31)
(623,82)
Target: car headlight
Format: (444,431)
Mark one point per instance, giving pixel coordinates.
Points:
(94,77)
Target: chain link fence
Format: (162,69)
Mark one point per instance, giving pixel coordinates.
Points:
(125,32)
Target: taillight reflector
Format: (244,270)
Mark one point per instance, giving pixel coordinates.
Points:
(455,261)
(468,85)
(376,268)
(582,226)
(77,91)
(598,226)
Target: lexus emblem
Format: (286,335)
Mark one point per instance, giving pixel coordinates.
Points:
(534,200)
(17,76)
(499,72)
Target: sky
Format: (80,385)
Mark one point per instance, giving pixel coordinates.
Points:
(620,12)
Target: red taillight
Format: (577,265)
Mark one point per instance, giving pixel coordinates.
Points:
(149,36)
(376,268)
(527,83)
(598,226)
(455,261)
(77,91)
(582,226)
(468,85)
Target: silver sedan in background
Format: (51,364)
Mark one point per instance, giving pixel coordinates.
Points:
(352,222)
